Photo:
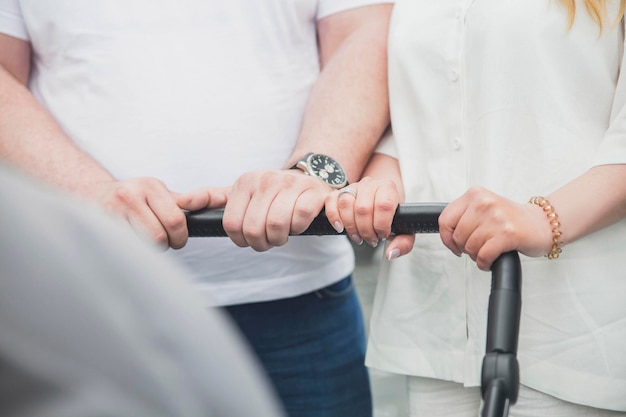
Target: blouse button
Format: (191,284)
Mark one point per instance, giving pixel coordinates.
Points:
(456,143)
(454,75)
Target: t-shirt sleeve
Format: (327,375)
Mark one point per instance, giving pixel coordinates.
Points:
(328,7)
(612,150)
(11,21)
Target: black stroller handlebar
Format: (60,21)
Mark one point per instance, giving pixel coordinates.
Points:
(409,219)
(500,370)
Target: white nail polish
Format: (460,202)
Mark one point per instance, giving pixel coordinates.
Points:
(357,239)
(395,253)
(338,226)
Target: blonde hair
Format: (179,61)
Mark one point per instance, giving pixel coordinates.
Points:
(596,9)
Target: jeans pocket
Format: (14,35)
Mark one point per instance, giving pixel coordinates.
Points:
(337,290)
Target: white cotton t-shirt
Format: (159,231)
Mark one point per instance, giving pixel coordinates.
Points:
(193,93)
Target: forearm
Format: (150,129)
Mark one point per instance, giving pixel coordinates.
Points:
(31,139)
(385,167)
(348,108)
(591,202)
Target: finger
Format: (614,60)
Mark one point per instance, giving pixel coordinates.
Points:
(448,220)
(295,205)
(171,218)
(365,206)
(213,197)
(234,214)
(475,240)
(307,206)
(279,218)
(145,222)
(346,200)
(254,224)
(399,245)
(490,251)
(129,199)
(386,204)
(332,211)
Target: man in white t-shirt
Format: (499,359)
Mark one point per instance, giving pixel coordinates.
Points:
(138,106)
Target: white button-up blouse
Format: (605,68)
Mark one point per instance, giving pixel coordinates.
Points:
(501,94)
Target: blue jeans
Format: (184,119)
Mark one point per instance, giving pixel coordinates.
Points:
(313,348)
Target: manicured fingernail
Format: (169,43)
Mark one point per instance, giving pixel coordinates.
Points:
(338,226)
(373,243)
(356,239)
(381,237)
(395,253)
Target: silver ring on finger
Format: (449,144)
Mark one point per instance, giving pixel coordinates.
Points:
(347,190)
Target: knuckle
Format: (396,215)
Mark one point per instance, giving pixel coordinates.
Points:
(149,183)
(508,231)
(178,243)
(488,203)
(344,203)
(304,211)
(388,185)
(444,225)
(458,241)
(262,248)
(266,180)
(363,210)
(279,241)
(475,190)
(160,237)
(123,194)
(239,242)
(231,225)
(483,262)
(253,234)
(385,206)
(274,223)
(176,220)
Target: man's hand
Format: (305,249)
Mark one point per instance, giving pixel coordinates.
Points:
(265,207)
(151,208)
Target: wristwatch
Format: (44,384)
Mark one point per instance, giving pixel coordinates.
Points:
(323,167)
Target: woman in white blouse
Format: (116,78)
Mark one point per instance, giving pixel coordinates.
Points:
(494,102)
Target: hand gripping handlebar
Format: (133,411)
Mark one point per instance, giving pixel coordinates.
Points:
(500,369)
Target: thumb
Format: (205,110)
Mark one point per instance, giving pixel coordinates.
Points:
(212,197)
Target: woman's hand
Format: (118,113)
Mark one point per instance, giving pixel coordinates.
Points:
(365,211)
(485,225)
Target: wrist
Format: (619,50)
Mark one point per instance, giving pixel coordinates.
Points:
(554,224)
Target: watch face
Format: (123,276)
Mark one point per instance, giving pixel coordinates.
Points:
(327,169)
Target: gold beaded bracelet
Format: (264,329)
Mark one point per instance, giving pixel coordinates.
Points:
(554,223)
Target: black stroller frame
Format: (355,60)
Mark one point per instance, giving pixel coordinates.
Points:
(500,369)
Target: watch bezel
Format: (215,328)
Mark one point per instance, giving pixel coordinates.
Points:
(306,164)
